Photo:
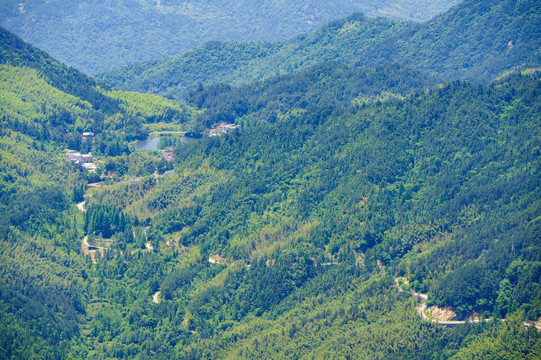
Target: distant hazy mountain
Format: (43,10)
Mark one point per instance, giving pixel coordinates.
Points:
(94,35)
(475,39)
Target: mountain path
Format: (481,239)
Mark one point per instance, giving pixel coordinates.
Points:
(449,323)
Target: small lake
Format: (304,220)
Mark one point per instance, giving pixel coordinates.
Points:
(152,143)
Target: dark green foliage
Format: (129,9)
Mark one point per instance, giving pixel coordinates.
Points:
(78,193)
(32,209)
(174,280)
(521,289)
(105,220)
(328,84)
(174,219)
(41,303)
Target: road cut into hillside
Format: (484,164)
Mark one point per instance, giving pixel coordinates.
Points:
(421,309)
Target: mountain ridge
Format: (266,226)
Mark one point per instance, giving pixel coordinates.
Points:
(452,45)
(97,35)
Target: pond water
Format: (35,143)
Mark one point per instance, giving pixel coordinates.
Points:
(148,144)
(152,143)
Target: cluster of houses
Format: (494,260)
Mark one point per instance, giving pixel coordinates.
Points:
(223,128)
(168,155)
(85,160)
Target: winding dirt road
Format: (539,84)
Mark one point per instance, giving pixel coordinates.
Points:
(422,307)
(450,323)
(85,241)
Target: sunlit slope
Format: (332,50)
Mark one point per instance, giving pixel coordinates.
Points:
(45,96)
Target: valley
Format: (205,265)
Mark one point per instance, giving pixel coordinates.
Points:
(362,191)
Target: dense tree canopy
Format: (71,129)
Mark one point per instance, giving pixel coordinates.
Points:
(301,234)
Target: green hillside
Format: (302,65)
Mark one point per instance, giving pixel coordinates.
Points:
(324,85)
(475,40)
(352,208)
(95,36)
(45,107)
(37,97)
(312,215)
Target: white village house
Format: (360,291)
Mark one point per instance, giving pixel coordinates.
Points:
(223,128)
(86,160)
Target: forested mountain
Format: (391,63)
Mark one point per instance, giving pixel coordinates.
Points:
(324,85)
(44,108)
(474,40)
(311,215)
(51,101)
(301,235)
(96,35)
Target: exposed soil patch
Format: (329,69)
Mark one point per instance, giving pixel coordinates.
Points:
(441,314)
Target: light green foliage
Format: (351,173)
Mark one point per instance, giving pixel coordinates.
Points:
(154,108)
(28,163)
(26,95)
